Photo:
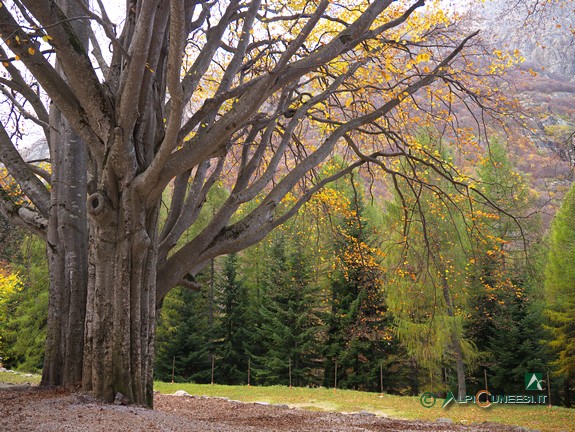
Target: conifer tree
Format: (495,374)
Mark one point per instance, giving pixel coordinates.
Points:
(287,324)
(515,346)
(427,261)
(358,335)
(184,338)
(234,326)
(560,292)
(188,319)
(23,331)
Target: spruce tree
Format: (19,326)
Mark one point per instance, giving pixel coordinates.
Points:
(287,325)
(184,338)
(358,329)
(234,326)
(188,317)
(515,347)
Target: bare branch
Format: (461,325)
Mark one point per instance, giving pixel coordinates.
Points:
(18,84)
(130,86)
(218,238)
(74,61)
(23,216)
(50,80)
(204,58)
(302,36)
(217,135)
(20,170)
(27,115)
(106,24)
(190,210)
(97,53)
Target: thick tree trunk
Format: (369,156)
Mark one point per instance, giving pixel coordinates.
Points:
(67,240)
(121,311)
(67,258)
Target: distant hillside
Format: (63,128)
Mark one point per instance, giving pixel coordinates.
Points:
(545,148)
(544,37)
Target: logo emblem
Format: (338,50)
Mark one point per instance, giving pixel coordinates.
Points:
(448,399)
(427,399)
(533,381)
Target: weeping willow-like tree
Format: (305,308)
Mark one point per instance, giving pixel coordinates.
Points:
(427,262)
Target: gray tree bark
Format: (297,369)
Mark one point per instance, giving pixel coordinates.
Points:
(67,241)
(121,311)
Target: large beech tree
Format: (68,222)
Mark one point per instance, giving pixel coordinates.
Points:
(182,96)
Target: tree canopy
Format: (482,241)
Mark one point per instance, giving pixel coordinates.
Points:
(188,95)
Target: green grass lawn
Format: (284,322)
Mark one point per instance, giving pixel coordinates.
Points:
(541,418)
(19,378)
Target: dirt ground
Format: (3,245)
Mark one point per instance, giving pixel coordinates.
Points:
(26,408)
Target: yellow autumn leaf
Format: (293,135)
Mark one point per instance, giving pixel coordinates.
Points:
(31,51)
(16,57)
(423,57)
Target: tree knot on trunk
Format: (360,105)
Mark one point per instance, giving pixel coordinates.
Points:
(96,203)
(100,207)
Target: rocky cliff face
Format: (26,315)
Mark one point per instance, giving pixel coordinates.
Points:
(544,35)
(35,151)
(545,148)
